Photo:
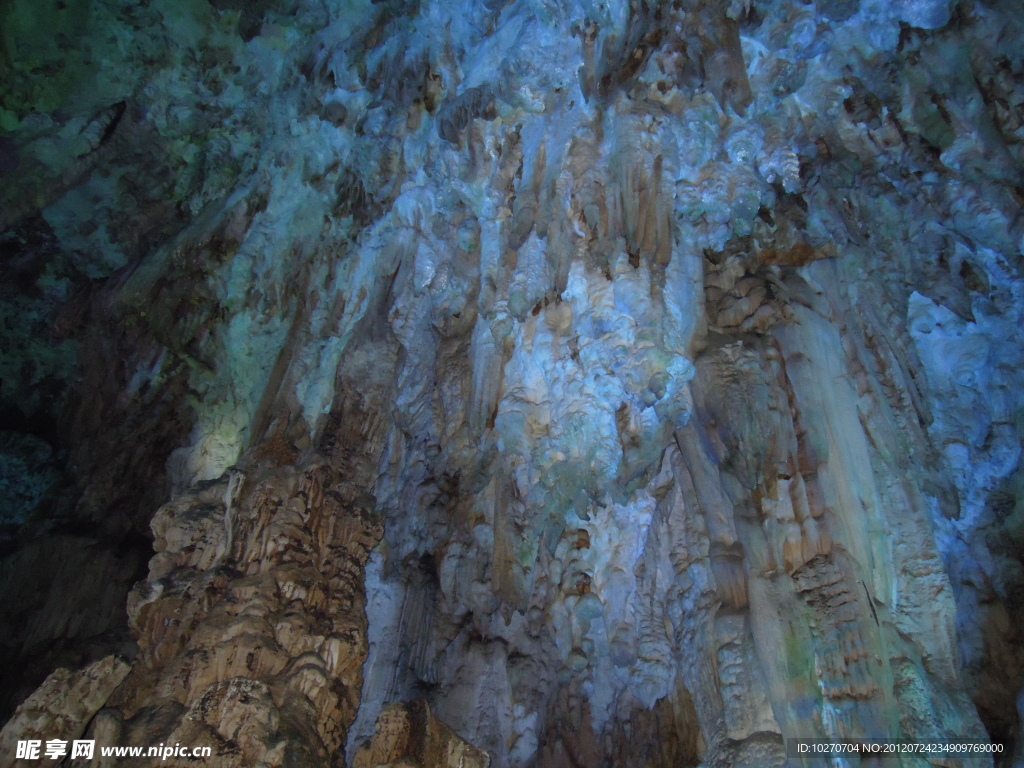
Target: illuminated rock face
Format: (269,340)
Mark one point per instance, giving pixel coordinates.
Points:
(622,383)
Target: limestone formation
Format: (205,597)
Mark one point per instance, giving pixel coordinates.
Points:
(530,384)
(61,707)
(408,735)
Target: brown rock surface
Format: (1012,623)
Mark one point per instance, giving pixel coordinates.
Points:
(61,707)
(251,627)
(407,735)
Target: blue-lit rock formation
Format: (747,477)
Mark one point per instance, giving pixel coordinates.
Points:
(579,383)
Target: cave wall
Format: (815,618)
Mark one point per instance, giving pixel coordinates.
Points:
(621,383)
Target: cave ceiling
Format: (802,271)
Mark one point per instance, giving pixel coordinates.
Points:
(511,383)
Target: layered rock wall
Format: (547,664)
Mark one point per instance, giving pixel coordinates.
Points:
(626,384)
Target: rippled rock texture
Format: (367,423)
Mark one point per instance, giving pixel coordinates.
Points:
(614,383)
